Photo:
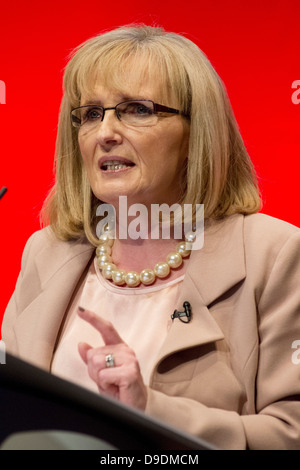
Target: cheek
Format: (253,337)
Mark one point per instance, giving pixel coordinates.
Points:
(177,147)
(170,141)
(85,150)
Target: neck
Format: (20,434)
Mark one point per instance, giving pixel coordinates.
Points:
(140,247)
(136,255)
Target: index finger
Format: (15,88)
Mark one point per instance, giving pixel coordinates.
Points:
(105,328)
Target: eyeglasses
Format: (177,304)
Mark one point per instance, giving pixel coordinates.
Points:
(139,113)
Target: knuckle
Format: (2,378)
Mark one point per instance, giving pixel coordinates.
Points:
(133,370)
(95,360)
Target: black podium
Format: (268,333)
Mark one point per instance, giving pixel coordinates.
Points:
(34,400)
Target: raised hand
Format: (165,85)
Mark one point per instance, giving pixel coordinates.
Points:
(123,379)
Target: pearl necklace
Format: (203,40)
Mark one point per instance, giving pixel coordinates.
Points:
(147,276)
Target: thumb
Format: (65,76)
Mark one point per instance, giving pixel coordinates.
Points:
(83,349)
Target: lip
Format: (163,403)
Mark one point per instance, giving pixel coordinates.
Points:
(115,158)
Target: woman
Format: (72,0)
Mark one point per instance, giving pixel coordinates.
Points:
(205,345)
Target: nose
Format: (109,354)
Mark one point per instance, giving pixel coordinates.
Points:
(108,132)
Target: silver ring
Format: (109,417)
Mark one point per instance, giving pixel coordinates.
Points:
(109,360)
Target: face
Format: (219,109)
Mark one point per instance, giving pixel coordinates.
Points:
(150,159)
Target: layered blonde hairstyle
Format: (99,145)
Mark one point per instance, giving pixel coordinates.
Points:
(219,172)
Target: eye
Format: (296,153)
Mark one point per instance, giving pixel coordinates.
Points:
(92,114)
(137,109)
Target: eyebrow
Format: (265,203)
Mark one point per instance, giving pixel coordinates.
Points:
(123,98)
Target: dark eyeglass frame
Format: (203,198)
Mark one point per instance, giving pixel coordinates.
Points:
(157,108)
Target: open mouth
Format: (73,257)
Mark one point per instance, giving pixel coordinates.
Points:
(115,165)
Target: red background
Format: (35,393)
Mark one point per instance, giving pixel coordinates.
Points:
(253,46)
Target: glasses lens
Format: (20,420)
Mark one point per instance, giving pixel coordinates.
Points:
(86,115)
(137,113)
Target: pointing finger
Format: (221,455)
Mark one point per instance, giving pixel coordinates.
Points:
(105,328)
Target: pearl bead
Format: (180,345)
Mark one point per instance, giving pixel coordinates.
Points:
(132,279)
(174,260)
(104,249)
(147,276)
(190,237)
(162,270)
(118,277)
(102,260)
(105,238)
(183,249)
(107,270)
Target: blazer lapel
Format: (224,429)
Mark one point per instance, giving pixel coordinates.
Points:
(200,330)
(58,280)
(211,272)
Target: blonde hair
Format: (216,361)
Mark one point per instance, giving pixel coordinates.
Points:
(219,172)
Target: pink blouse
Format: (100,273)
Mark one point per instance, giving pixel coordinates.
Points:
(142,317)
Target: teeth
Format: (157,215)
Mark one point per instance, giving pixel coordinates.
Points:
(115,165)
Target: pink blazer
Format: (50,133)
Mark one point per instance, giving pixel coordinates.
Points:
(227,376)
